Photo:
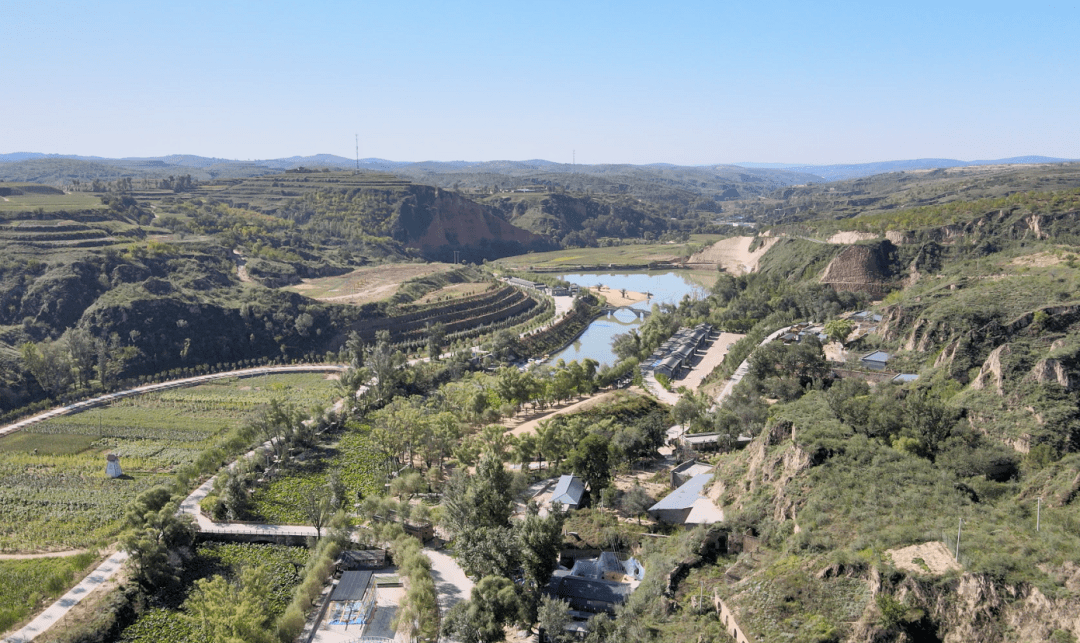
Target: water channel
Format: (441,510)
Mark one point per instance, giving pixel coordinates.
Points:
(665,287)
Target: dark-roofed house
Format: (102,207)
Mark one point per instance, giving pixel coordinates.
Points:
(589,595)
(361,559)
(570,491)
(688,505)
(353,600)
(875,361)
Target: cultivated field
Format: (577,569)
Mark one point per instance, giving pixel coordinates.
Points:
(54,493)
(49,202)
(368,284)
(26,585)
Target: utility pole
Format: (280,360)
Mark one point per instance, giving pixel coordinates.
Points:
(958,526)
(357,153)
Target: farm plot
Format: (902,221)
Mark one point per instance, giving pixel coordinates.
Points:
(166,622)
(279,500)
(54,493)
(26,585)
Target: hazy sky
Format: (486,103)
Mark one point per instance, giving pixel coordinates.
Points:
(688,82)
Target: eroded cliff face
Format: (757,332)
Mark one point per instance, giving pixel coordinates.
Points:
(861,268)
(438,222)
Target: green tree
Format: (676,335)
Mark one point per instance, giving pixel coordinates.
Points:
(590,460)
(225,612)
(540,540)
(494,603)
(838,329)
(636,502)
(553,617)
(49,364)
(436,337)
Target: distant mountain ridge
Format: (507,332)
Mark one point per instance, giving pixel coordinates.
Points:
(856,170)
(684,186)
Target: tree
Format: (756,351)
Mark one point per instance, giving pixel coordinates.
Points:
(156,537)
(838,329)
(49,365)
(436,337)
(226,612)
(626,345)
(317,508)
(493,604)
(540,540)
(635,502)
(354,348)
(590,460)
(385,363)
(553,617)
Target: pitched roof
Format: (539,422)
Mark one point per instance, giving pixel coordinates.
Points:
(876,356)
(569,490)
(685,496)
(352,586)
(591,590)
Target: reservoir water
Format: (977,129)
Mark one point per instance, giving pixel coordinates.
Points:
(595,343)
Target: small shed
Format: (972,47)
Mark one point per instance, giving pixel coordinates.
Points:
(875,361)
(112,468)
(904,378)
(570,492)
(354,559)
(353,600)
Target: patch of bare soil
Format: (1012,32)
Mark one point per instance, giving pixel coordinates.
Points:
(852,237)
(365,285)
(733,254)
(1037,260)
(927,558)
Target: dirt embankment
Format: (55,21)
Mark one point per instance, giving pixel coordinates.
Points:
(861,268)
(456,222)
(852,237)
(733,254)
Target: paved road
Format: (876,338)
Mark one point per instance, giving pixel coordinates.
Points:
(451,583)
(57,610)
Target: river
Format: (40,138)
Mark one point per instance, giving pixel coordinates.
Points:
(665,287)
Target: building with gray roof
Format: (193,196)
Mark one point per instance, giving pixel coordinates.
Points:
(570,492)
(688,505)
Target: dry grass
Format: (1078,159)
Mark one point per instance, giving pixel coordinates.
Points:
(367,284)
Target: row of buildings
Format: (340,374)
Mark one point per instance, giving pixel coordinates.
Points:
(680,352)
(554,291)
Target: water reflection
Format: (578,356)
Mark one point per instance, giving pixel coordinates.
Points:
(595,343)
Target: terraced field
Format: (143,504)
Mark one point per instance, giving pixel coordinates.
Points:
(49,202)
(54,493)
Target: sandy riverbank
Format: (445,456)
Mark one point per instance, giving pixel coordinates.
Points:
(617,298)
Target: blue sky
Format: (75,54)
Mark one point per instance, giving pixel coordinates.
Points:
(619,82)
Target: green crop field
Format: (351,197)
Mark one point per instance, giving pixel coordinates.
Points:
(279,500)
(26,585)
(49,202)
(53,489)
